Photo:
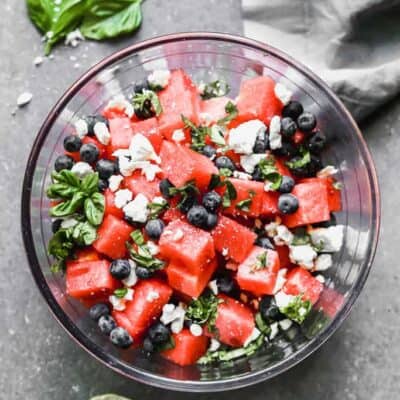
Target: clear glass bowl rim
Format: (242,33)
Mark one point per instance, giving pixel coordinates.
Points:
(95,350)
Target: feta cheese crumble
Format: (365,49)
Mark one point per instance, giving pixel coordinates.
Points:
(275,137)
(323,262)
(328,240)
(137,209)
(132,278)
(213,286)
(304,255)
(242,175)
(159,78)
(242,138)
(283,300)
(153,248)
(102,134)
(114,182)
(283,236)
(327,171)
(24,99)
(214,345)
(217,135)
(81,169)
(285,324)
(283,93)
(122,197)
(253,336)
(196,330)
(152,295)
(141,149)
(174,315)
(250,162)
(81,128)
(121,103)
(119,304)
(280,280)
(37,61)
(274,330)
(73,38)
(178,135)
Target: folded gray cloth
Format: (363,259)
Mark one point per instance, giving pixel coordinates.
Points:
(354,45)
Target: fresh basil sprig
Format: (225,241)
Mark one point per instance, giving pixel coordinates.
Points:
(229,194)
(146,104)
(231,111)
(270,173)
(300,161)
(216,88)
(203,311)
(197,133)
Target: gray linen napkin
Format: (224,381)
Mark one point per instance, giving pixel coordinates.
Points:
(354,45)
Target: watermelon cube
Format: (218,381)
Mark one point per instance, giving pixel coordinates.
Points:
(112,236)
(149,129)
(137,183)
(213,110)
(255,278)
(110,208)
(233,238)
(89,279)
(184,243)
(188,348)
(269,206)
(149,298)
(121,134)
(187,282)
(313,204)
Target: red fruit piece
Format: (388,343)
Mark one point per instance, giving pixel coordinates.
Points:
(137,183)
(110,208)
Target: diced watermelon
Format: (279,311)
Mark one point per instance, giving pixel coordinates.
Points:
(148,300)
(181,164)
(300,281)
(233,238)
(213,110)
(313,205)
(269,206)
(114,112)
(87,279)
(177,99)
(149,129)
(283,253)
(186,244)
(110,207)
(330,301)
(187,282)
(246,190)
(234,322)
(86,254)
(121,134)
(172,214)
(112,236)
(257,100)
(188,348)
(258,281)
(282,168)
(137,183)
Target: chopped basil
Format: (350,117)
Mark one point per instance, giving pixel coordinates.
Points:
(144,258)
(121,292)
(298,309)
(262,326)
(189,190)
(262,262)
(270,173)
(301,162)
(146,104)
(244,205)
(231,111)
(197,133)
(157,208)
(216,88)
(215,182)
(225,172)
(138,237)
(203,310)
(217,135)
(229,195)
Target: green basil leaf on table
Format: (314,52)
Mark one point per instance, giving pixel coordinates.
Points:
(94,208)
(68,207)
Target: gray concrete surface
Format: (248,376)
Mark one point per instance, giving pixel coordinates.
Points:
(39,361)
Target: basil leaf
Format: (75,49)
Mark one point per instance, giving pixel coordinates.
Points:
(84,234)
(262,326)
(66,176)
(138,237)
(216,88)
(299,162)
(68,207)
(297,310)
(230,194)
(244,205)
(121,292)
(61,245)
(203,310)
(231,111)
(225,172)
(94,209)
(217,135)
(270,173)
(215,182)
(61,191)
(143,257)
(197,133)
(156,208)
(90,183)
(105,19)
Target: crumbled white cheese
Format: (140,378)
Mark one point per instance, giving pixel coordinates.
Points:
(37,61)
(242,175)
(73,38)
(323,262)
(283,300)
(242,138)
(275,137)
(271,228)
(205,118)
(159,200)
(174,316)
(153,248)
(24,99)
(141,149)
(253,336)
(114,182)
(283,93)
(214,345)
(81,128)
(122,197)
(125,164)
(304,255)
(178,135)
(132,278)
(137,209)
(152,295)
(268,186)
(201,87)
(225,251)
(280,280)
(120,102)
(149,170)
(217,135)
(327,171)
(213,286)
(285,324)
(119,304)
(81,169)
(159,78)
(283,236)
(328,240)
(102,134)
(196,330)
(274,330)
(250,162)
(68,223)
(320,278)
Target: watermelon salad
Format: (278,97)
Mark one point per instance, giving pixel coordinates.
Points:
(193,225)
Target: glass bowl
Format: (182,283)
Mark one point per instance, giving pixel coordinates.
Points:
(207,56)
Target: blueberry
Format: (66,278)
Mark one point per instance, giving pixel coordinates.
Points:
(292,110)
(105,168)
(209,151)
(140,86)
(308,170)
(286,185)
(72,143)
(197,216)
(288,149)
(63,162)
(224,162)
(56,225)
(106,324)
(89,153)
(212,221)
(187,323)
(102,185)
(148,346)
(269,310)
(98,310)
(265,243)
(187,203)
(164,186)
(121,338)
(154,228)
(211,201)
(306,122)
(158,333)
(288,127)
(287,203)
(317,142)
(144,110)
(120,268)
(257,175)
(143,272)
(227,285)
(92,120)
